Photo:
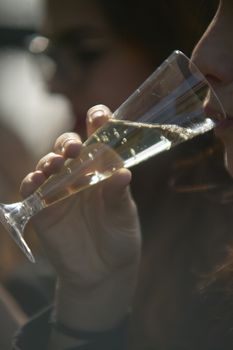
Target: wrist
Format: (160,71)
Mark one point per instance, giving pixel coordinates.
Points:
(64,337)
(100,308)
(60,341)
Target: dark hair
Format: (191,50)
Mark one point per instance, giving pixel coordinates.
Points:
(160,26)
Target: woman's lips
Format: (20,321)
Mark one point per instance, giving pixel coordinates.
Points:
(213,107)
(216,115)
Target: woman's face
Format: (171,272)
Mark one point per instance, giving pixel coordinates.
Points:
(214,56)
(93,66)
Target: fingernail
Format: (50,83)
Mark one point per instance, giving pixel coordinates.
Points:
(67,143)
(97,112)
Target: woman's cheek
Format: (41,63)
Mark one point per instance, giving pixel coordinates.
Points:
(229,155)
(229,161)
(225,134)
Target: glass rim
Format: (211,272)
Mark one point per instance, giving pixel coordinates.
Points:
(202,76)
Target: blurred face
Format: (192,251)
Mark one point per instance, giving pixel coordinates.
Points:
(214,56)
(92,65)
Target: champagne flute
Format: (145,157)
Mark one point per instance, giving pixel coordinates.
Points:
(170,107)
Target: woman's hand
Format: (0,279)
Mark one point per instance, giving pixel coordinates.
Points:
(92,239)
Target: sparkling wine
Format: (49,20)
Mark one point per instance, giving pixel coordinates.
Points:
(119,143)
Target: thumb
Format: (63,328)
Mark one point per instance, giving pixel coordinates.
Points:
(119,204)
(115,189)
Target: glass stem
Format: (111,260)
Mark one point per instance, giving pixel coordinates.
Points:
(23,211)
(14,218)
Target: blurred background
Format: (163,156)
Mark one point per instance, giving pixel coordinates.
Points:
(25,104)
(30,117)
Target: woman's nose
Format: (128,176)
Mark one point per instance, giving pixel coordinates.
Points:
(211,56)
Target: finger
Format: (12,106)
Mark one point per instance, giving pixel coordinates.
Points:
(31,182)
(50,164)
(96,117)
(68,145)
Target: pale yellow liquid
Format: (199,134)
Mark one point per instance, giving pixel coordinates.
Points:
(118,144)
